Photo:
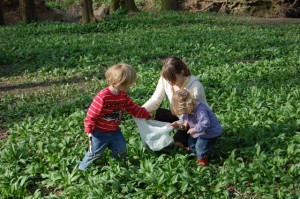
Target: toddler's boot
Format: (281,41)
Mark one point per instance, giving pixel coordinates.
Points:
(203,161)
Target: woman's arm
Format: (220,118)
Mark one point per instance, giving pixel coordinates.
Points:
(154,102)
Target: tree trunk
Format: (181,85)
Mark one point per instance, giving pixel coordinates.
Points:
(296,4)
(169,4)
(28,11)
(40,3)
(87,12)
(1,14)
(114,5)
(127,5)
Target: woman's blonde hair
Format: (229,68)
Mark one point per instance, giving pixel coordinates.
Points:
(182,101)
(120,74)
(173,66)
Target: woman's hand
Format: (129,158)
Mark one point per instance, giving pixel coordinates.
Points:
(175,125)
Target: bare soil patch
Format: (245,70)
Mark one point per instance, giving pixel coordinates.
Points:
(268,21)
(18,87)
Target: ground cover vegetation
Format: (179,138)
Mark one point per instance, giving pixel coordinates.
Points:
(49,73)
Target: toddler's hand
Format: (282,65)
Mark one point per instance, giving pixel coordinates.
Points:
(192,131)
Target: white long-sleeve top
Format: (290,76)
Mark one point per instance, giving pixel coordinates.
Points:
(164,88)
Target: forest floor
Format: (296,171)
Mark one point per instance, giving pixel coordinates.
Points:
(17,86)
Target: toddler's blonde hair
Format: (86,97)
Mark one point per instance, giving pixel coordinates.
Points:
(182,101)
(120,74)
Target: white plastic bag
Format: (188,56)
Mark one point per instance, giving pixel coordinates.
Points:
(154,134)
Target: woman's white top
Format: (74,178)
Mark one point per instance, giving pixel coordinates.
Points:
(164,88)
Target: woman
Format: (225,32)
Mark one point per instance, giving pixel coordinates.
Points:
(175,75)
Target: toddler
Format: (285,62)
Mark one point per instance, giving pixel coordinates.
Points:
(204,127)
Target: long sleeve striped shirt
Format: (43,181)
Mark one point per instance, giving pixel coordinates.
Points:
(106,111)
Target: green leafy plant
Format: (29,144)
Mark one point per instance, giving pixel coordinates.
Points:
(50,72)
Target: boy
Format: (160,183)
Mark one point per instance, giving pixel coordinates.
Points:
(105,114)
(204,125)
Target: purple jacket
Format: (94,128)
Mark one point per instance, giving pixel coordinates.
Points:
(205,121)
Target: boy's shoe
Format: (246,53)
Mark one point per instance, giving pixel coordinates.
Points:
(203,162)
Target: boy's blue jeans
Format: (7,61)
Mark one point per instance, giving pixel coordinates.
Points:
(201,146)
(115,141)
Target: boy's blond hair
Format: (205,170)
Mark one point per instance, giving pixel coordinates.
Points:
(182,100)
(120,74)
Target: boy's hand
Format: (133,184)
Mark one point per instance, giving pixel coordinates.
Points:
(90,142)
(151,116)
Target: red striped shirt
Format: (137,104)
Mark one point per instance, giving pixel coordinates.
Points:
(107,109)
